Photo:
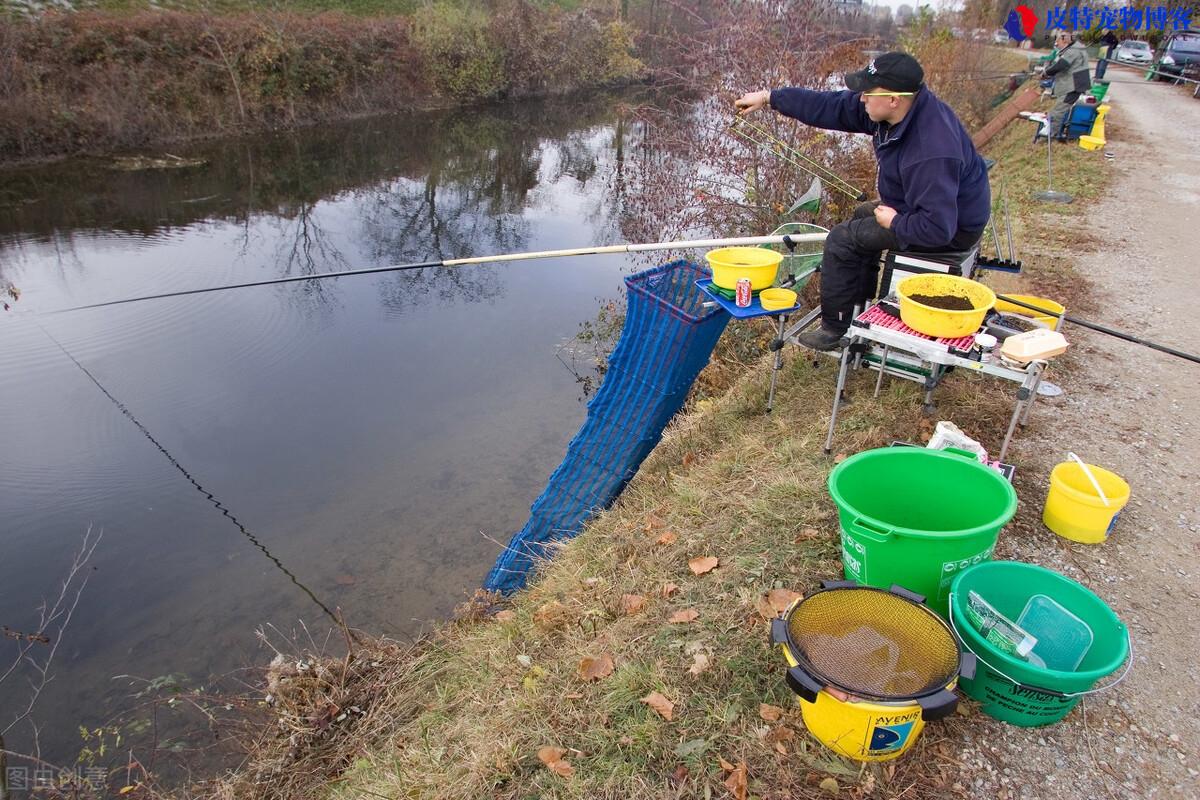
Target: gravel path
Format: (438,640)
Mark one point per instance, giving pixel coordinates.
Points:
(1134,411)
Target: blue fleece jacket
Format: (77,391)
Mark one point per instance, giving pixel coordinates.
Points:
(929,170)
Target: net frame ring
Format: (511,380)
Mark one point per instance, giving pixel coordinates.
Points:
(803,679)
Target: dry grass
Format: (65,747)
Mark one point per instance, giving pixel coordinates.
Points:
(464,713)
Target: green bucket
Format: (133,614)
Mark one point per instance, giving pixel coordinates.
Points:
(917,517)
(1008,687)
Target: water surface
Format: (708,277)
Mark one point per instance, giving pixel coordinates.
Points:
(374,439)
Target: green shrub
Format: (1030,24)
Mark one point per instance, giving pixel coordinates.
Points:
(461,58)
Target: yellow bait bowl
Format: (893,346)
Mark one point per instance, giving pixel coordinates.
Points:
(729,264)
(947,323)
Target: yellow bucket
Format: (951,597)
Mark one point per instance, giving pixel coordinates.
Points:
(756,263)
(863,730)
(1073,508)
(1005,307)
(943,322)
(870,667)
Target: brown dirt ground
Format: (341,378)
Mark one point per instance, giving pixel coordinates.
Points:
(1135,411)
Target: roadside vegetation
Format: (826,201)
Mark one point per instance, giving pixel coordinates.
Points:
(637,664)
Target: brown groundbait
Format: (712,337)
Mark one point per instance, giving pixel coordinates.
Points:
(949,302)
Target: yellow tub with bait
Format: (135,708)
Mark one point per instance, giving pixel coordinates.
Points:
(1076,510)
(943,322)
(870,666)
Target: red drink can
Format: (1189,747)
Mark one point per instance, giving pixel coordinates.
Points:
(743,293)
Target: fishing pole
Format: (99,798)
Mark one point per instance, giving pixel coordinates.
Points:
(124,409)
(455,262)
(1102,329)
(782,149)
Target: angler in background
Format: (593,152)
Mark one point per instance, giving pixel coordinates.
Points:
(933,184)
(1071,79)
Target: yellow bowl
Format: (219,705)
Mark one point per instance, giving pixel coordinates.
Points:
(732,263)
(942,322)
(775,299)
(1005,307)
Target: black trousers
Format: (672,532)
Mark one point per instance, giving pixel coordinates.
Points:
(850,266)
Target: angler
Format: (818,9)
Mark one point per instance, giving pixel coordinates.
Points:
(933,185)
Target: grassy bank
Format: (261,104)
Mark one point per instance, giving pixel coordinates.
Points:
(98,82)
(627,669)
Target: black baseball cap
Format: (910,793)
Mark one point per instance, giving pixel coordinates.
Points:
(896,72)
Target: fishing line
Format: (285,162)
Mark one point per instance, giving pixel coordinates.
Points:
(175,463)
(769,139)
(783,150)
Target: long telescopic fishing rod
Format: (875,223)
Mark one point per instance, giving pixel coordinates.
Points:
(783,150)
(747,241)
(1102,329)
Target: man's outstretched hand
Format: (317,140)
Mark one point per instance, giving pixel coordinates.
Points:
(752,101)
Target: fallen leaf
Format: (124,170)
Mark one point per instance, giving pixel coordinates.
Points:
(669,589)
(868,784)
(632,603)
(763,606)
(595,668)
(699,664)
(680,774)
(702,564)
(668,537)
(830,785)
(807,534)
(525,661)
(770,713)
(345,580)
(549,754)
(737,782)
(725,765)
(664,707)
(684,616)
(562,768)
(688,458)
(551,615)
(690,747)
(780,748)
(839,458)
(780,599)
(533,678)
(780,733)
(507,615)
(653,521)
(573,695)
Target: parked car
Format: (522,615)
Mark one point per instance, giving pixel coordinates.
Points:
(1000,36)
(1180,50)
(1132,51)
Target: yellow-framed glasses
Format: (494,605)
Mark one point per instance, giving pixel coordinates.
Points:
(888,94)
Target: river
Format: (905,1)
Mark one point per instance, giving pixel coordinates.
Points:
(374,440)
